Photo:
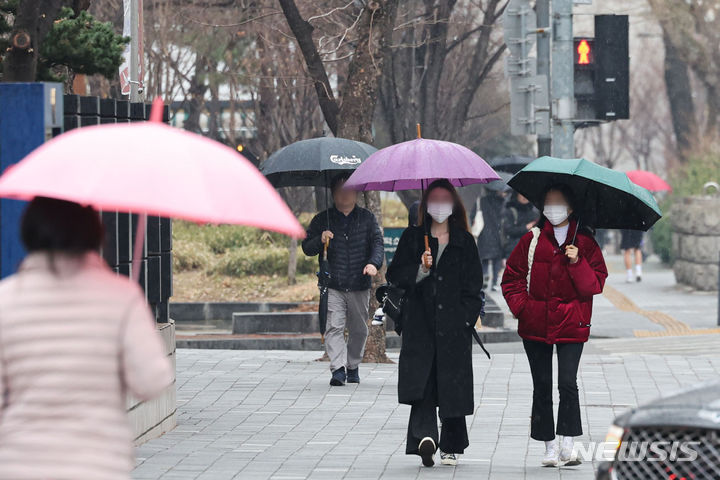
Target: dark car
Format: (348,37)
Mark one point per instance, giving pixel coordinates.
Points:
(674,438)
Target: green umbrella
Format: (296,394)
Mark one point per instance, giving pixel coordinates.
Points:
(605,198)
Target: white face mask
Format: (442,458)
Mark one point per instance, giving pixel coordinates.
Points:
(556,214)
(440,211)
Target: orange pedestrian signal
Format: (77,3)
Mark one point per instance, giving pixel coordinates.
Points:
(583,51)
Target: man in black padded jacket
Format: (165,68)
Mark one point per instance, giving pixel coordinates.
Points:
(355,254)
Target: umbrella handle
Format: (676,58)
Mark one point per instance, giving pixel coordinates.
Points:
(427,249)
(325,248)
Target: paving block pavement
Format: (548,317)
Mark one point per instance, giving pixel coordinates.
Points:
(271,415)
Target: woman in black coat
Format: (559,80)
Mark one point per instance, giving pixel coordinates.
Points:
(443,303)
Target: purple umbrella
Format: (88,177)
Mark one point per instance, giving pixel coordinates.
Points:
(413,165)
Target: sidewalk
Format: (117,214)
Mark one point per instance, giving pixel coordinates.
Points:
(273,416)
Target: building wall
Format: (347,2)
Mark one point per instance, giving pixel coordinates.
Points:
(153,418)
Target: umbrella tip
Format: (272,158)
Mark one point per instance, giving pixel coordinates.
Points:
(419,132)
(156,112)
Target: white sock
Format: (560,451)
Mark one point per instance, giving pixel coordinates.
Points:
(550,444)
(567,443)
(629,273)
(638,270)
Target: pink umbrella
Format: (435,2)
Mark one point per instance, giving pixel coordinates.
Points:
(151,169)
(649,181)
(414,164)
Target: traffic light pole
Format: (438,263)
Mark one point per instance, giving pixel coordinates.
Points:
(542,12)
(562,78)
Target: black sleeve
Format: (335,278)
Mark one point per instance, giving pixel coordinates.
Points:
(403,269)
(312,245)
(377,245)
(472,296)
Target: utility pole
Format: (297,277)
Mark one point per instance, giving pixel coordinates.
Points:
(562,78)
(542,12)
(135,50)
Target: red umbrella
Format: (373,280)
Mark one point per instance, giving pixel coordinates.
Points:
(151,169)
(649,181)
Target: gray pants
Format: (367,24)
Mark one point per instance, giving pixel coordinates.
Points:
(346,310)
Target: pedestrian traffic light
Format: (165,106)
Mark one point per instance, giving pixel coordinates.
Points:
(584,80)
(612,67)
(601,73)
(583,52)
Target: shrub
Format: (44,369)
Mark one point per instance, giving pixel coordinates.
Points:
(687,180)
(221,238)
(257,260)
(190,255)
(661,234)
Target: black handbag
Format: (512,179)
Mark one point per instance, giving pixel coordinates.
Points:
(392,298)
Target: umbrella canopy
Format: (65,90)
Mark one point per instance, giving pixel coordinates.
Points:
(510,163)
(414,164)
(500,185)
(605,198)
(649,181)
(153,169)
(314,162)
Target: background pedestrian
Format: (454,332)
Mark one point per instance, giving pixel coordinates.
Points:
(355,254)
(631,242)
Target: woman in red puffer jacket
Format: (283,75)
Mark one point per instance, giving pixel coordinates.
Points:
(555,310)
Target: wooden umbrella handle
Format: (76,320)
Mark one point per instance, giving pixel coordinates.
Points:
(427,249)
(325,247)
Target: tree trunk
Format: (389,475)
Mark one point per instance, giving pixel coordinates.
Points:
(359,97)
(354,118)
(682,109)
(292,262)
(32,23)
(197,95)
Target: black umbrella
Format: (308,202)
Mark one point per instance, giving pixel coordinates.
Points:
(500,185)
(315,162)
(323,283)
(510,163)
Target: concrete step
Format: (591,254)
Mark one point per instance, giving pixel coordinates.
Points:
(274,322)
(284,341)
(213,311)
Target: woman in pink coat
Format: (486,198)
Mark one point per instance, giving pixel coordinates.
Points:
(74,339)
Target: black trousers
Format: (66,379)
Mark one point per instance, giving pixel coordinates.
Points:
(424,423)
(540,357)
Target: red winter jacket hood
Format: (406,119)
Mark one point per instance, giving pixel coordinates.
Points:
(559,306)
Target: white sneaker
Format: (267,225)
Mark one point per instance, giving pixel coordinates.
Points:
(448,458)
(426,449)
(378,318)
(567,456)
(551,454)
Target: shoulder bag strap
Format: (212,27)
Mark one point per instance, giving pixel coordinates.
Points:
(531,253)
